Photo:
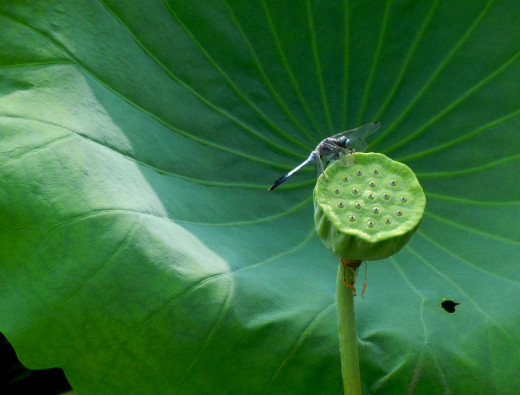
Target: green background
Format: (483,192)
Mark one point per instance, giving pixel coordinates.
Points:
(139,248)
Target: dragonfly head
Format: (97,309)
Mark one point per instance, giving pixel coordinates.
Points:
(343,142)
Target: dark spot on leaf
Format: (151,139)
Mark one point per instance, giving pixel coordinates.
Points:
(449,305)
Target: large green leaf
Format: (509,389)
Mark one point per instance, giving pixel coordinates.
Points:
(139,248)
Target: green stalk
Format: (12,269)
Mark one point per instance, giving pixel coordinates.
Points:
(348,344)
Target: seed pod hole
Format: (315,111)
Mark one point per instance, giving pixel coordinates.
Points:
(386,196)
(358,205)
(355,191)
(376,171)
(403,199)
(376,210)
(388,221)
(337,191)
(345,179)
(372,184)
(340,204)
(393,183)
(371,196)
(359,173)
(370,224)
(351,218)
(399,212)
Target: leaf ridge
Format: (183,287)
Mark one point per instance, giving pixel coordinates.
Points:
(469,170)
(288,69)
(404,66)
(151,316)
(346,62)
(432,79)
(298,343)
(266,79)
(484,203)
(375,62)
(458,140)
(462,291)
(317,65)
(234,87)
(225,308)
(289,251)
(472,230)
(155,117)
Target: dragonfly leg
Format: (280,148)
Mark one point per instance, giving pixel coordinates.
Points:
(322,170)
(332,158)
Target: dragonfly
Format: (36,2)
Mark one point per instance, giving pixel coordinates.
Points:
(333,147)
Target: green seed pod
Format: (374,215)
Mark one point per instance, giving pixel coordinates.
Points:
(367,210)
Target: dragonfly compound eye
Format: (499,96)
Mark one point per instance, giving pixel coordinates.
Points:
(373,218)
(343,141)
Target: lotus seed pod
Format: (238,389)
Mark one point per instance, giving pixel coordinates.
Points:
(367,210)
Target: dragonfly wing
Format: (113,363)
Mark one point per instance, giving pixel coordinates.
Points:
(358,144)
(360,132)
(350,160)
(311,158)
(356,137)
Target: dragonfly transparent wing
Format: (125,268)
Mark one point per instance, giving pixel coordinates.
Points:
(349,161)
(357,136)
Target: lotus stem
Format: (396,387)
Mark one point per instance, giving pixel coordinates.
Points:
(348,344)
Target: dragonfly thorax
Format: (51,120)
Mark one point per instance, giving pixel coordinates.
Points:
(328,146)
